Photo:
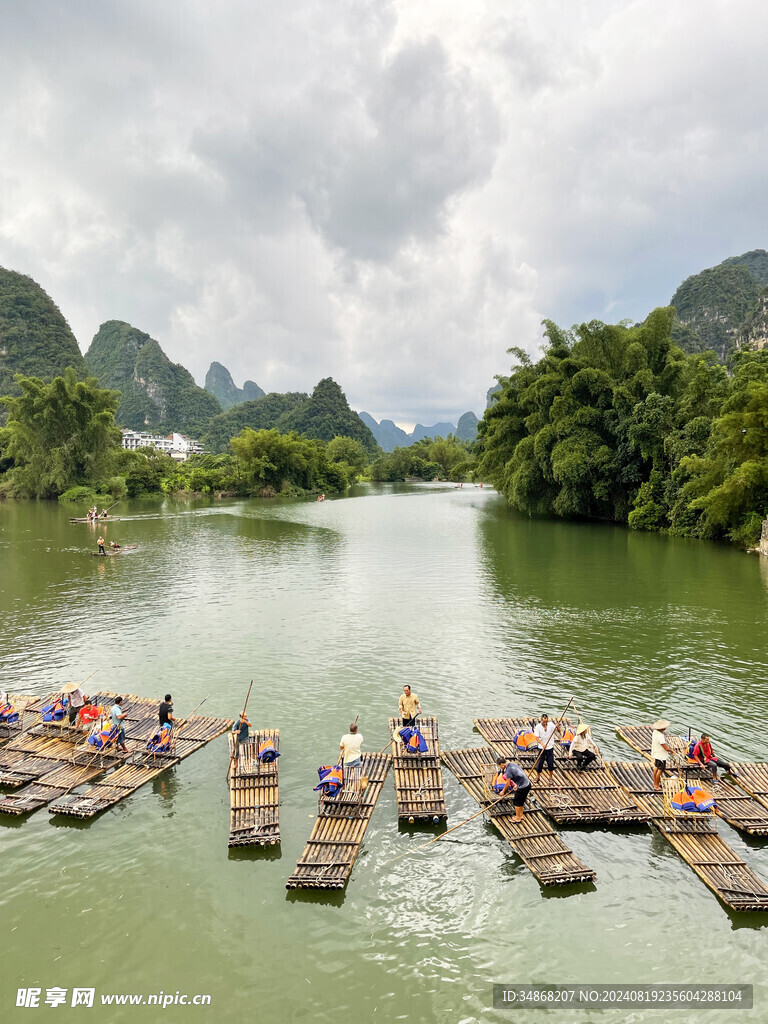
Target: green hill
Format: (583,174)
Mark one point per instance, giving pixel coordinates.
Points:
(325,415)
(756,262)
(263,414)
(157,394)
(35,339)
(711,307)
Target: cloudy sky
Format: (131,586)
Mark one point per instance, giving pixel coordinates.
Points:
(390,192)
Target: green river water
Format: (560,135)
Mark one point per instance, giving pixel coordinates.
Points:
(330,607)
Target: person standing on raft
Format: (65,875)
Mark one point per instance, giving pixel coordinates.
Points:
(408,706)
(100,542)
(659,750)
(76,699)
(545,734)
(117,715)
(351,745)
(240,729)
(518,781)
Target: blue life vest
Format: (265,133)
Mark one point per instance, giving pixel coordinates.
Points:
(268,752)
(331,779)
(413,740)
(161,741)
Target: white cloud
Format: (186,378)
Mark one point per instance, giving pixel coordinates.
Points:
(388,192)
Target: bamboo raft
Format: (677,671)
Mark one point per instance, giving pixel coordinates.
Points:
(51,786)
(254,799)
(716,864)
(114,551)
(418,777)
(338,832)
(737,804)
(500,733)
(21,703)
(31,756)
(586,797)
(131,775)
(533,839)
(753,779)
(98,519)
(572,796)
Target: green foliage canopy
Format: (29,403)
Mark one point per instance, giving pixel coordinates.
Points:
(58,435)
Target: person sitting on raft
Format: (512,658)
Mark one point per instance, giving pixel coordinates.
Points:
(583,749)
(704,754)
(114,545)
(518,781)
(87,714)
(351,745)
(408,706)
(165,711)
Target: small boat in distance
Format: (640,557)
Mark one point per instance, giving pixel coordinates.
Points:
(98,519)
(114,551)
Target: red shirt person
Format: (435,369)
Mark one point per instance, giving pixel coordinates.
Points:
(704,754)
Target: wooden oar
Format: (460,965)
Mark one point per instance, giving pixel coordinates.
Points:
(540,758)
(234,748)
(483,810)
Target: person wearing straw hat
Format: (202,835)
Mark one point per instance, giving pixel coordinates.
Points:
(659,750)
(583,749)
(76,699)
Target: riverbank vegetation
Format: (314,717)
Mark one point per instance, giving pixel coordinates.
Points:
(615,422)
(61,441)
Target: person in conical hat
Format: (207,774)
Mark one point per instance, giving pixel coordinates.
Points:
(583,748)
(659,750)
(76,699)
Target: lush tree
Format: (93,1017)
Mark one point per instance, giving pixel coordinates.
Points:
(615,422)
(59,435)
(350,454)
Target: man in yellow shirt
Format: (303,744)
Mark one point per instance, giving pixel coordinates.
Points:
(409,706)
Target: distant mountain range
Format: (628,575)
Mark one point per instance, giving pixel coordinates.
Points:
(721,308)
(389,436)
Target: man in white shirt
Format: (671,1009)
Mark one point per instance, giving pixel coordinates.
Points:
(659,750)
(351,746)
(545,734)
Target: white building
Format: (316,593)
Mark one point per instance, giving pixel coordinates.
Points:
(178,446)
